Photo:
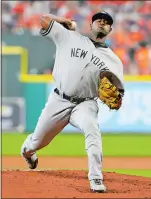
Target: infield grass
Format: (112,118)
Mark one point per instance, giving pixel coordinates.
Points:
(131,145)
(144,173)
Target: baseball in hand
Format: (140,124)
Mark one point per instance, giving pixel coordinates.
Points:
(74,25)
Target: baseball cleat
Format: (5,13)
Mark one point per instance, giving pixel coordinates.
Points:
(97,185)
(31,161)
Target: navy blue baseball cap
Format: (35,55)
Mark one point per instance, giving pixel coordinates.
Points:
(103,15)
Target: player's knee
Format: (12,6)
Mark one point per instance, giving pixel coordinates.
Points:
(92,139)
(90,126)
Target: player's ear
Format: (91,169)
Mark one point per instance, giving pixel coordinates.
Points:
(90,26)
(110,29)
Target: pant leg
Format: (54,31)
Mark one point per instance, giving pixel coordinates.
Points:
(54,117)
(84,117)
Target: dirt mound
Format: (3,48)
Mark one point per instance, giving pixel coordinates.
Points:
(70,184)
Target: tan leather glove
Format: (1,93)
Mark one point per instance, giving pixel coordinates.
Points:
(109,94)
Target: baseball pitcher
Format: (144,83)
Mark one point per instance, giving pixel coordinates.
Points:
(85,69)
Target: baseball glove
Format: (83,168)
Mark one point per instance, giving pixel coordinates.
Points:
(109,94)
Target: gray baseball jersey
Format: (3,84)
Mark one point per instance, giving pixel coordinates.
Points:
(78,62)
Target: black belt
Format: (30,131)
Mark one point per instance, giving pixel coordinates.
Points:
(72,99)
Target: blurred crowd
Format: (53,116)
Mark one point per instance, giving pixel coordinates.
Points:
(130,38)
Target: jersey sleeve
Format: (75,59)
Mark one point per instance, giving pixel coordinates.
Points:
(117,75)
(114,69)
(56,32)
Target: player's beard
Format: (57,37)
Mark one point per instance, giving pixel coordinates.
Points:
(104,32)
(100,35)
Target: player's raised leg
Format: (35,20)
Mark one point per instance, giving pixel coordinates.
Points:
(53,119)
(84,117)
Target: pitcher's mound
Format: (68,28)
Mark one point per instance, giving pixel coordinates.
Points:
(70,184)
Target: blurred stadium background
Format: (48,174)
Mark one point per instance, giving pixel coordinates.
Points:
(27,64)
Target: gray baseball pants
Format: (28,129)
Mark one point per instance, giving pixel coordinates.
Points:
(57,113)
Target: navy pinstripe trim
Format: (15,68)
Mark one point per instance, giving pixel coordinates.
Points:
(46,32)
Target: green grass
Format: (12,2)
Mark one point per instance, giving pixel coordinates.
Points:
(144,173)
(73,145)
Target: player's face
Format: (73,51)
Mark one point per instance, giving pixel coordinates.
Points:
(101,26)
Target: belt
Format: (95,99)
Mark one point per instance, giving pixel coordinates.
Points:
(72,99)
